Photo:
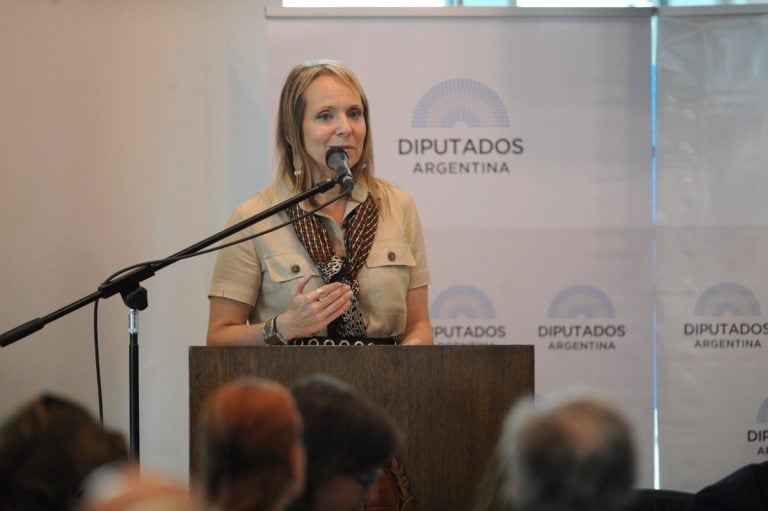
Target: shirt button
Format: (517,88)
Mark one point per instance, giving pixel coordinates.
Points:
(391,256)
(295,268)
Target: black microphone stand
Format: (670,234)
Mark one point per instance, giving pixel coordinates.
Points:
(135,297)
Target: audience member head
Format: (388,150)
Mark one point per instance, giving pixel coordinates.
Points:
(124,488)
(577,455)
(347,439)
(47,448)
(250,443)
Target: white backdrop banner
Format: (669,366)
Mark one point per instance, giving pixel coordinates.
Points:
(526,142)
(711,238)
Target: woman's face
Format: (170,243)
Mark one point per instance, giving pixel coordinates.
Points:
(333,117)
(342,493)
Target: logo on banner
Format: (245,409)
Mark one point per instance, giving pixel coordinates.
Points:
(581,301)
(581,317)
(734,306)
(478,142)
(471,309)
(762,413)
(727,299)
(460,102)
(759,434)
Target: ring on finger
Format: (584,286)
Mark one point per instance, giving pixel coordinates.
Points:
(321,295)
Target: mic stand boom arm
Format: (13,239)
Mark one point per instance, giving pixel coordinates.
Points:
(129,283)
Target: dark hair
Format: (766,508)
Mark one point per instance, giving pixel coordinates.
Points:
(248,431)
(344,431)
(47,448)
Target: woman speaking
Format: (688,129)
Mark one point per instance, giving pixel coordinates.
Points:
(353,272)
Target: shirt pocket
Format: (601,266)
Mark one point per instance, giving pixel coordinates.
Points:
(287,266)
(384,282)
(393,252)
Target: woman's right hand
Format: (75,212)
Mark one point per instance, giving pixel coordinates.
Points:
(310,312)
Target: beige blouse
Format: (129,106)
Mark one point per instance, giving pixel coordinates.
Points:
(262,272)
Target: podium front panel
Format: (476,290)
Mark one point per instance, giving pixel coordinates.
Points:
(448,401)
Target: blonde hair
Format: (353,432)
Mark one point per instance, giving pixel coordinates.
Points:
(292,155)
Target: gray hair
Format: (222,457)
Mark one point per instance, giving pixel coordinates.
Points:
(576,455)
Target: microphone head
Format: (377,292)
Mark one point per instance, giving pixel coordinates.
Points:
(337,160)
(336,157)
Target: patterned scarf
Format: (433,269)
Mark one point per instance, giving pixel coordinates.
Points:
(360,228)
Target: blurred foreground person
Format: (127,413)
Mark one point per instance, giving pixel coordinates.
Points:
(252,458)
(47,448)
(577,455)
(124,488)
(348,438)
(744,490)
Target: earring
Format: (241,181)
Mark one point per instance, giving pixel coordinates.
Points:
(297,168)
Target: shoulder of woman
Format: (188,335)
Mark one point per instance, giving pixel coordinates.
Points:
(263,199)
(389,190)
(394,194)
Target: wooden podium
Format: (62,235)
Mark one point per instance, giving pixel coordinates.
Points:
(449,401)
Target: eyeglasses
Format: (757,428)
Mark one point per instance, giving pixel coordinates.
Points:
(367,479)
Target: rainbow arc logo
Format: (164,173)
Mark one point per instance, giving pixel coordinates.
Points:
(762,413)
(727,299)
(460,101)
(462,302)
(581,300)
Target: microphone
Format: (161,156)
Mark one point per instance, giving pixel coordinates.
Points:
(337,160)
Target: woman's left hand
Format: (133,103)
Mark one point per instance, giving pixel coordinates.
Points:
(414,341)
(310,312)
